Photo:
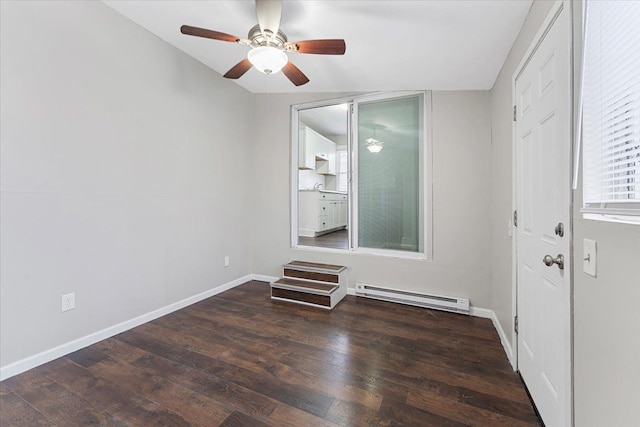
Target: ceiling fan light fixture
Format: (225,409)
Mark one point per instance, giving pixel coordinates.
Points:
(374,145)
(267,59)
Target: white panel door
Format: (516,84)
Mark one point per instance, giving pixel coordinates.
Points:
(543,153)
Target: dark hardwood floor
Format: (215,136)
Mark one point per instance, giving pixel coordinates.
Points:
(238,359)
(335,240)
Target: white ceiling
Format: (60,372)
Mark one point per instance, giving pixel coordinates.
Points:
(330,120)
(391,45)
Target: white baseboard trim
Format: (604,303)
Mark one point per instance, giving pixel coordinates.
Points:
(490,314)
(485,313)
(263,278)
(48,355)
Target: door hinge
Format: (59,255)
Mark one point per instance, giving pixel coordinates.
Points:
(515,323)
(515,114)
(515,218)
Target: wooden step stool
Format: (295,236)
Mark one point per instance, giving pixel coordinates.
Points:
(313,284)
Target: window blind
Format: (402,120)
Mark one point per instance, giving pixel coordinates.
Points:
(611,108)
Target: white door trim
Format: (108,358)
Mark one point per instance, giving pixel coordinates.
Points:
(554,13)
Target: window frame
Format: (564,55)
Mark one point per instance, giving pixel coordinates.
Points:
(339,172)
(627,212)
(427,170)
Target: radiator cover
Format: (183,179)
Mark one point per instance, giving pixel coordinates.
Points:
(436,302)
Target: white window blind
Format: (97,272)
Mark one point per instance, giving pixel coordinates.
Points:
(611,108)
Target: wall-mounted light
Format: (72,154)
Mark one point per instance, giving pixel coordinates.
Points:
(267,59)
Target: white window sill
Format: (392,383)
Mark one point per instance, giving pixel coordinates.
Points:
(622,219)
(364,251)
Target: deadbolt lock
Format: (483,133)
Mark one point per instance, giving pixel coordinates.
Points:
(559,230)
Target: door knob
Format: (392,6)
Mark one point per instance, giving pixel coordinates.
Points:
(549,261)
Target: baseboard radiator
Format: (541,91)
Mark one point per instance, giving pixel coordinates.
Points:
(436,302)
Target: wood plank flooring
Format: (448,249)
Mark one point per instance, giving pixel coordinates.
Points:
(240,359)
(335,240)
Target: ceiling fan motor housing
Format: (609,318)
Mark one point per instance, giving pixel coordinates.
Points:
(258,39)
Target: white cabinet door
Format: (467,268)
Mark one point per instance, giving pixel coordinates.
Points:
(308,213)
(325,153)
(315,143)
(343,213)
(335,210)
(306,150)
(323,223)
(332,159)
(321,211)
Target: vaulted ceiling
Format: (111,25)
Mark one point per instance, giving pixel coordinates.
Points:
(391,45)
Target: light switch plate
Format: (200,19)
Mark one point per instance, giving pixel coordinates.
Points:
(589,257)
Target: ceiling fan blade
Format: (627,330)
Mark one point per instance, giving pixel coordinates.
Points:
(208,34)
(239,69)
(269,13)
(318,47)
(294,74)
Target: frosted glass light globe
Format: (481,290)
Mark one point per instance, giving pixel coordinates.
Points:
(267,59)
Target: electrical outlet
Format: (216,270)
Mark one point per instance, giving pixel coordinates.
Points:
(68,302)
(226,261)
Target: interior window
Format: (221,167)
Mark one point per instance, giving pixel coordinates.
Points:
(390,174)
(360,183)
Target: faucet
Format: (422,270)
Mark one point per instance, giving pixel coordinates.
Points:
(317,186)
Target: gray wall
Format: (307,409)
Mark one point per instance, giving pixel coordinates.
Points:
(605,311)
(605,319)
(606,324)
(461,199)
(125,174)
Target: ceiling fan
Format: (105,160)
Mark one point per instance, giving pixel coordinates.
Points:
(269,45)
